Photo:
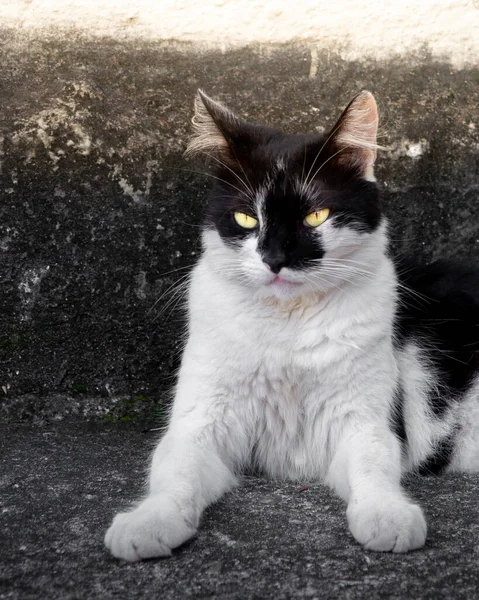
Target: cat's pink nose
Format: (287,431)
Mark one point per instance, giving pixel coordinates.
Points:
(274,263)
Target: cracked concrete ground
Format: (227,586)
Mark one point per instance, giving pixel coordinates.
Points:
(61,484)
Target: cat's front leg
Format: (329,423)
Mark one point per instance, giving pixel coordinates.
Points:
(366,472)
(192,467)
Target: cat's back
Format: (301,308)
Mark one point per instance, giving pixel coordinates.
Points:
(439,310)
(437,341)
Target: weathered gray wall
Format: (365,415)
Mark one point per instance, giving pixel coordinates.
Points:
(97,203)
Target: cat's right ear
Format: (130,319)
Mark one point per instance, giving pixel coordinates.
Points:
(214,129)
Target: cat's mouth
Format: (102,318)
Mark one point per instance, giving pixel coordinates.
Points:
(281,281)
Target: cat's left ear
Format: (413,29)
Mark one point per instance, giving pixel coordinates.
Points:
(354,137)
(215,129)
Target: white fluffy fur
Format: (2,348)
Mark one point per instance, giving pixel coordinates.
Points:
(299,378)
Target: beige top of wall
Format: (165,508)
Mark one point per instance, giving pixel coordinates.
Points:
(357,28)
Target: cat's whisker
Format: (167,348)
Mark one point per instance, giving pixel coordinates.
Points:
(340,277)
(344,260)
(176,296)
(248,188)
(329,283)
(194,225)
(348,269)
(244,172)
(204,173)
(308,185)
(415,293)
(301,179)
(400,285)
(175,288)
(330,136)
(184,278)
(176,270)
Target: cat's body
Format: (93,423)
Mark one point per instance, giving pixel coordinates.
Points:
(287,369)
(310,353)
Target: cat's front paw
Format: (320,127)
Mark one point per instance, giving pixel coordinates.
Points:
(152,529)
(387,524)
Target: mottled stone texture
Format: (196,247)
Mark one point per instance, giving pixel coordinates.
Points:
(265,540)
(98,205)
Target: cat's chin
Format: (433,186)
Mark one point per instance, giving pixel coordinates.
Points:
(281,289)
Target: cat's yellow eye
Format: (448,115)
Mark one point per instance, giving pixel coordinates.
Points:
(317,218)
(245,221)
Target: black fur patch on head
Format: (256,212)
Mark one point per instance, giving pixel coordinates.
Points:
(286,241)
(293,175)
(274,169)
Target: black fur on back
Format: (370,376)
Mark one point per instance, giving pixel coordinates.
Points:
(439,307)
(439,310)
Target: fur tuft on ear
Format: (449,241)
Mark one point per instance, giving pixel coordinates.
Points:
(355,134)
(212,127)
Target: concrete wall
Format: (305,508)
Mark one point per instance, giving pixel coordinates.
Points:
(98,205)
(357,28)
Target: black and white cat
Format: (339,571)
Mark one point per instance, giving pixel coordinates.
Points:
(311,354)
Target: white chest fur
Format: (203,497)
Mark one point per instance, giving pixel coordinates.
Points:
(292,375)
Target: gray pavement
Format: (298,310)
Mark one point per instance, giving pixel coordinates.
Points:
(61,484)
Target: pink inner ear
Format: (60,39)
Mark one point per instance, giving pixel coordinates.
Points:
(211,123)
(357,134)
(207,136)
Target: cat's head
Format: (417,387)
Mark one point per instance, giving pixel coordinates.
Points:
(290,214)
